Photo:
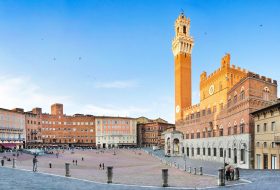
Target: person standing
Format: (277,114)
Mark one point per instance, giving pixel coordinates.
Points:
(76,162)
(103,166)
(35,163)
(100,166)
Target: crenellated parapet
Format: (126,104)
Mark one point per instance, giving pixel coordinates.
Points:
(263,78)
(226,69)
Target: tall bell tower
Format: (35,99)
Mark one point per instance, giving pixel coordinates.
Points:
(182,45)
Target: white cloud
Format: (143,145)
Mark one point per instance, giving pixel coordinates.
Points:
(21,92)
(116,84)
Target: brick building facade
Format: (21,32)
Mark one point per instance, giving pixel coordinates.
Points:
(62,130)
(267,137)
(33,124)
(149,132)
(12,129)
(114,132)
(220,126)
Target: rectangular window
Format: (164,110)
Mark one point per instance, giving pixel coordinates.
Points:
(258,161)
(264,127)
(192,116)
(235,99)
(209,111)
(203,134)
(221,152)
(192,135)
(258,128)
(209,151)
(214,109)
(203,112)
(242,128)
(235,129)
(198,115)
(242,95)
(198,135)
(221,132)
(229,153)
(215,152)
(273,126)
(229,131)
(203,151)
(242,155)
(273,162)
(198,151)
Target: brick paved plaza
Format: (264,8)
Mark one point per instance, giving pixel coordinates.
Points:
(137,171)
(130,167)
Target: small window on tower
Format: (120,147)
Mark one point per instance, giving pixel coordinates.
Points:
(184,29)
(177,30)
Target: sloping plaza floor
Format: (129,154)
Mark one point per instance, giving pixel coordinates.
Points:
(134,167)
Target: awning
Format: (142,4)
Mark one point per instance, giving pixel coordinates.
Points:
(8,145)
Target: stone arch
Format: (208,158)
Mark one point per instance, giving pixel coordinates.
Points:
(176,146)
(266,89)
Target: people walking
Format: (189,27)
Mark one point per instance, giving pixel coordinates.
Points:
(73,162)
(76,162)
(100,166)
(35,161)
(231,173)
(228,173)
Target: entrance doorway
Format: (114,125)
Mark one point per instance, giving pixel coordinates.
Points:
(273,162)
(265,161)
(235,155)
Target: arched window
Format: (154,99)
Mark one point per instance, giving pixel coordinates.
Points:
(184,29)
(266,93)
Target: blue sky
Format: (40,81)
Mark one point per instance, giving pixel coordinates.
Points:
(110,57)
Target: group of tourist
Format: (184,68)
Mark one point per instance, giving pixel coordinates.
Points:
(101,166)
(229,172)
